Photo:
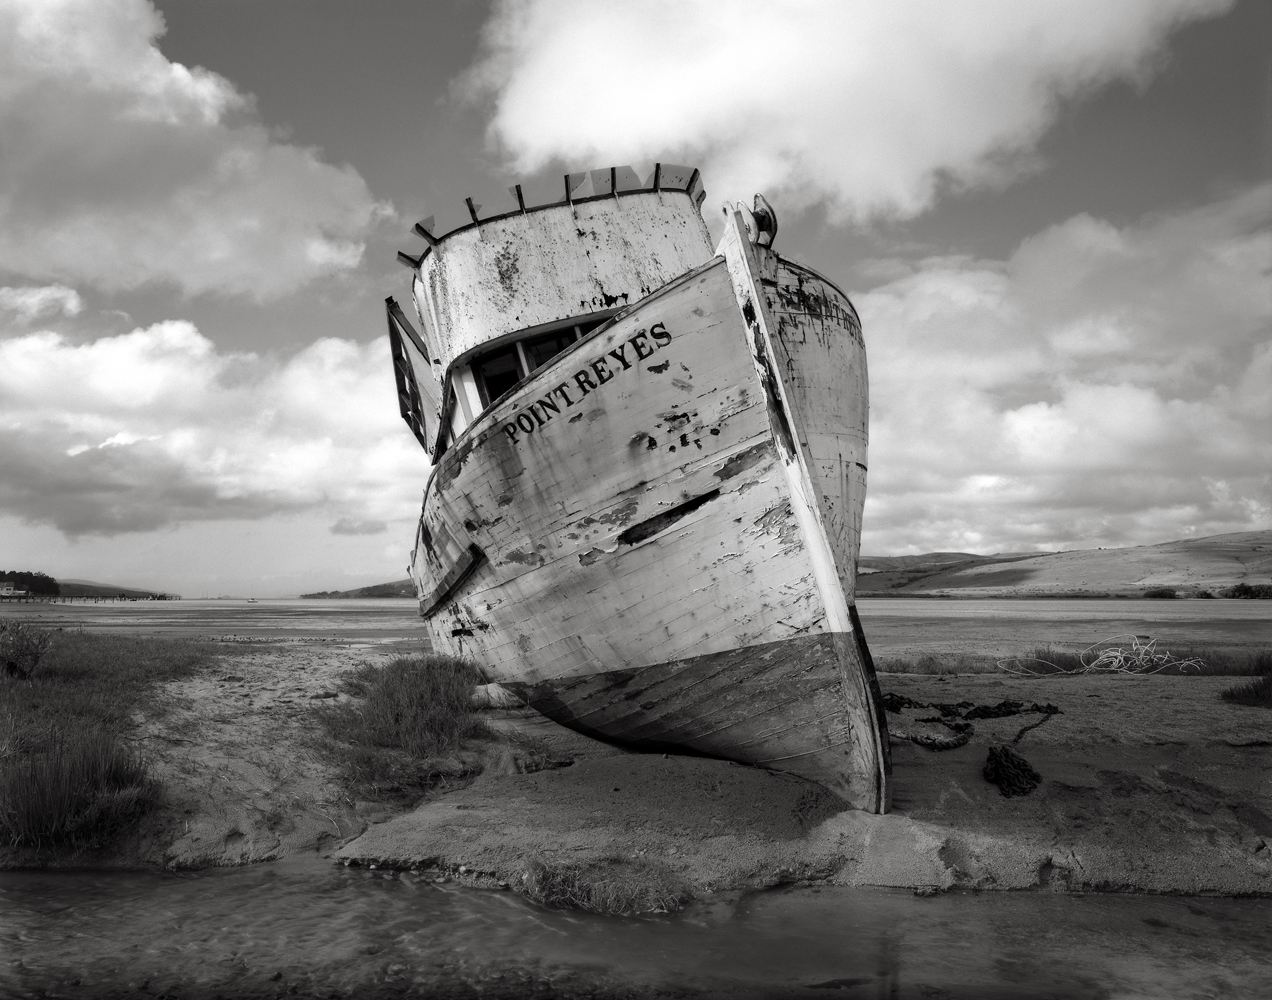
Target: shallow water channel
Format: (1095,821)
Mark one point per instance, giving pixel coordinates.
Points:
(308,928)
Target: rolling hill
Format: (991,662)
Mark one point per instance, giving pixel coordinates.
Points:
(88,588)
(1189,566)
(398,588)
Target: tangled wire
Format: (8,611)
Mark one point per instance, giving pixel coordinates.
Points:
(1142,657)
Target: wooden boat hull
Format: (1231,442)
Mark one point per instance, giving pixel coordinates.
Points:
(654,538)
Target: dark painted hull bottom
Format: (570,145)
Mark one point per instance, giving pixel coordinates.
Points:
(782,705)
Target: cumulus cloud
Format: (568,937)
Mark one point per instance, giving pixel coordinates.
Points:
(120,168)
(1104,385)
(865,105)
(31,303)
(158,427)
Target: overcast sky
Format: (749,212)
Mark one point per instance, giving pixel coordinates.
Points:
(1054,218)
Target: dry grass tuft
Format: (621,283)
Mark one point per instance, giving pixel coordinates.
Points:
(614,886)
(405,733)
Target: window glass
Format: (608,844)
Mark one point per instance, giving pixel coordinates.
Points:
(541,350)
(496,373)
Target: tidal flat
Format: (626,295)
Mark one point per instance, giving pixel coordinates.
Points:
(1149,785)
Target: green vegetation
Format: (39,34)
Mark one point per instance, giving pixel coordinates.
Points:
(21,647)
(33,583)
(111,591)
(1162,593)
(1257,693)
(406,733)
(68,774)
(1258,591)
(617,886)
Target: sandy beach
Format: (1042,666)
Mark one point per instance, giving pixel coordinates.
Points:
(1149,784)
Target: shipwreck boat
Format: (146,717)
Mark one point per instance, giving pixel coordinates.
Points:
(649,465)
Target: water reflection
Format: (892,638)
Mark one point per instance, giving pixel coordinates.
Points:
(309,929)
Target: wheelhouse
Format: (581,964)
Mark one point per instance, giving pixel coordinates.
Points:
(500,298)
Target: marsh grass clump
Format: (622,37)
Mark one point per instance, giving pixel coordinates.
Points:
(22,645)
(1234,663)
(420,704)
(68,776)
(1257,693)
(412,718)
(613,886)
(77,788)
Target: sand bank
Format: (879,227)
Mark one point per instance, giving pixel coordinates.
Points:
(1149,784)
(235,751)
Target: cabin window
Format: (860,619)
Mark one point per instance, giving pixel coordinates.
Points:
(497,372)
(541,350)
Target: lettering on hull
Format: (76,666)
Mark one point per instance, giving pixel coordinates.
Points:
(635,349)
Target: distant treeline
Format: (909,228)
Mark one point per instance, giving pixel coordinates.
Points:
(1258,591)
(35,583)
(1246,591)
